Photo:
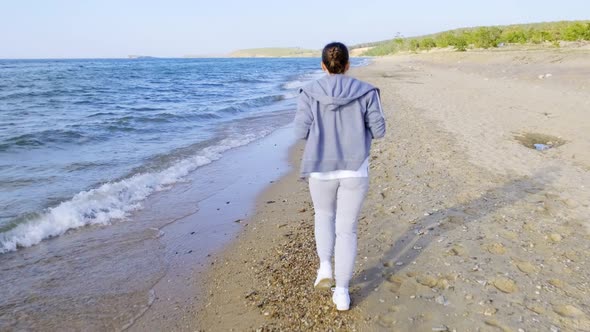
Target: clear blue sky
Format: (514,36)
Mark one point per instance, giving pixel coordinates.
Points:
(117,28)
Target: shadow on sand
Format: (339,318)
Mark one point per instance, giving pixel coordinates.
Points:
(410,245)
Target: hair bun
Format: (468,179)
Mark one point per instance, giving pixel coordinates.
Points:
(335,58)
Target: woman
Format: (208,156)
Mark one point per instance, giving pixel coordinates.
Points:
(338,116)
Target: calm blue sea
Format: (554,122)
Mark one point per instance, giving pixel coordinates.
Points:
(86,141)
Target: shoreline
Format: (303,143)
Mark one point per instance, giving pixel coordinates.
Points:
(463,228)
(191,242)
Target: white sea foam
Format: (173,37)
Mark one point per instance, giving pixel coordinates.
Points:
(300,81)
(111,201)
(362,62)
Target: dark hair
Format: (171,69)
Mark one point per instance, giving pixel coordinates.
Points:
(335,57)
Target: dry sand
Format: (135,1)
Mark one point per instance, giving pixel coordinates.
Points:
(464,227)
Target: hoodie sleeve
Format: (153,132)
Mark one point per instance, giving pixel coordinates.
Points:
(303,116)
(374,118)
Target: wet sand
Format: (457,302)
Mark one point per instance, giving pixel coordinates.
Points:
(464,227)
(143,273)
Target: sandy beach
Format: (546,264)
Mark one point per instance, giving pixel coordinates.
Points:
(465,227)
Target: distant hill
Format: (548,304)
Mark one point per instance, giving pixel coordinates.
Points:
(133,56)
(484,37)
(275,52)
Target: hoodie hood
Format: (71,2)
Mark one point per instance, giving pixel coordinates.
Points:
(334,91)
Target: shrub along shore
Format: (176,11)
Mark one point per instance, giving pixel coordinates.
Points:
(485,37)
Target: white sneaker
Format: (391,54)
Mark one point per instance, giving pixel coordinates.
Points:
(341,299)
(323,280)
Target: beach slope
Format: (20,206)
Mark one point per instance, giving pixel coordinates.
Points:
(466,226)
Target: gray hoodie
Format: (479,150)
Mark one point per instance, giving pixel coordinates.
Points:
(338,115)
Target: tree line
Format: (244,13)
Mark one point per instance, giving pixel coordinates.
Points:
(486,37)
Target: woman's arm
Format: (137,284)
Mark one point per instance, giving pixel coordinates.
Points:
(374,119)
(303,116)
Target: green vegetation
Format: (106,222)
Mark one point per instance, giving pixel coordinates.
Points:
(485,37)
(275,52)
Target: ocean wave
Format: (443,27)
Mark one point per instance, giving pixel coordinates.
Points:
(111,201)
(39,94)
(101,114)
(299,81)
(362,62)
(125,123)
(248,80)
(146,109)
(42,138)
(251,103)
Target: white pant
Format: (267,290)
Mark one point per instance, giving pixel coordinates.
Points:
(337,204)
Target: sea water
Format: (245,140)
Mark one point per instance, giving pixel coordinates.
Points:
(85,142)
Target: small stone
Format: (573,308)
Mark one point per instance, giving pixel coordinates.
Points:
(555,237)
(441,328)
(441,300)
(505,285)
(490,311)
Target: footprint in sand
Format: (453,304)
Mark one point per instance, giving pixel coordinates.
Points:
(536,308)
(527,267)
(565,287)
(555,237)
(496,248)
(396,282)
(568,311)
(387,320)
(505,285)
(571,255)
(509,235)
(458,250)
(432,282)
(556,283)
